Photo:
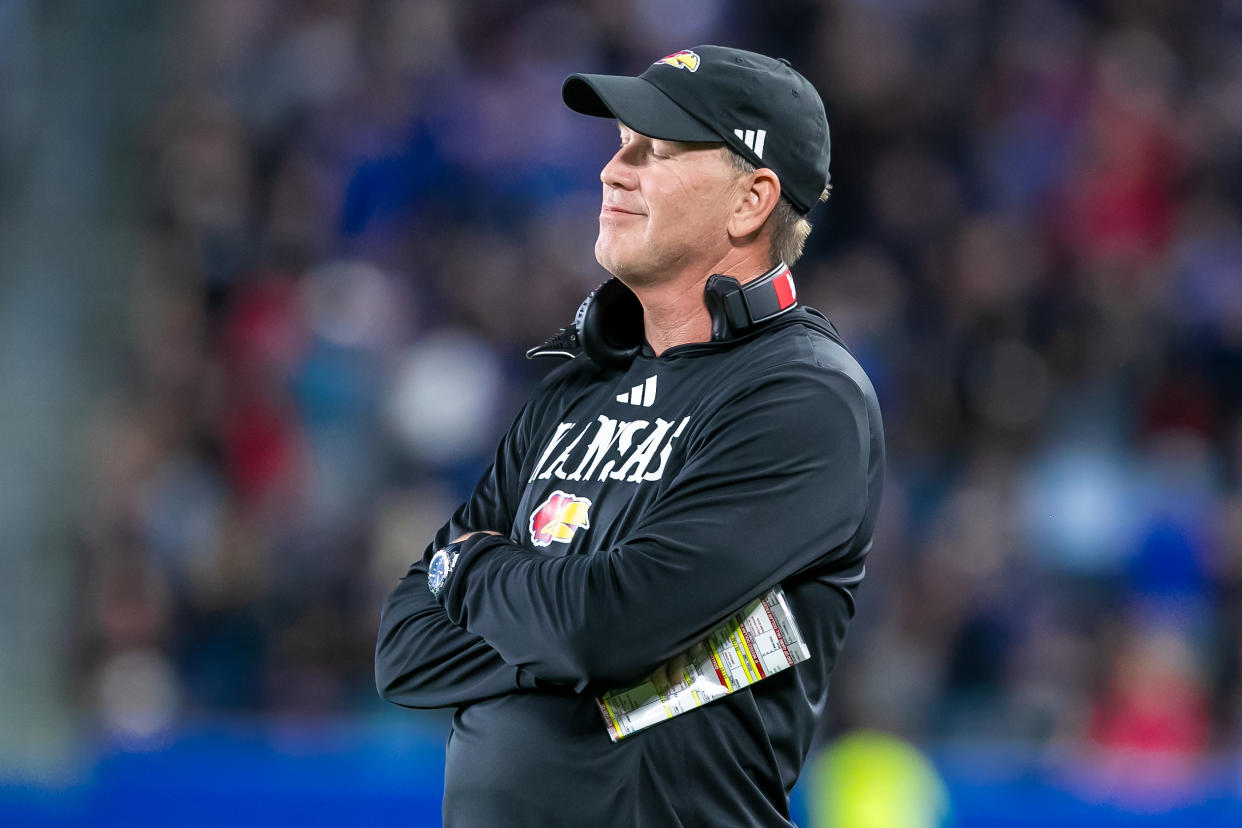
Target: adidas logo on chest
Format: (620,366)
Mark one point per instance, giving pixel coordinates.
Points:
(643,394)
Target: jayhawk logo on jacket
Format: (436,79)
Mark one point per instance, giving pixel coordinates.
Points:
(558,518)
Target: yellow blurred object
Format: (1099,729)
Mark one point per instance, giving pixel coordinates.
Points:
(873,780)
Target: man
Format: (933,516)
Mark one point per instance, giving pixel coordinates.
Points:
(709,439)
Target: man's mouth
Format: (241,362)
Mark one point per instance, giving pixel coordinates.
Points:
(613,210)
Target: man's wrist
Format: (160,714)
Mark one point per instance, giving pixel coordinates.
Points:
(441,567)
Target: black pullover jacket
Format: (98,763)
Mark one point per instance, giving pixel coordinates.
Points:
(639,507)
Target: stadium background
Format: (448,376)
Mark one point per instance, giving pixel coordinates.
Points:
(268,272)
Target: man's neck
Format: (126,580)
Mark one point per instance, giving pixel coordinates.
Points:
(673,311)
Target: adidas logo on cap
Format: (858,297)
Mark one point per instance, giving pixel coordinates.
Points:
(753,138)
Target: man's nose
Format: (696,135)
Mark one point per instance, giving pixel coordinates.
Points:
(618,172)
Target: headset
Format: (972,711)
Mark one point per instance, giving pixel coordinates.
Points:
(608,326)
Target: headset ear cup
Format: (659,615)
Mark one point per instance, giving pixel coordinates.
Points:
(610,325)
(715,292)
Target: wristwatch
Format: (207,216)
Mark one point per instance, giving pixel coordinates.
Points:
(441,567)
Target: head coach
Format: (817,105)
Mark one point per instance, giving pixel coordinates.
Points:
(705,439)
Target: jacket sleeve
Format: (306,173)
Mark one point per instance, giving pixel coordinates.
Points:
(422,659)
(775,483)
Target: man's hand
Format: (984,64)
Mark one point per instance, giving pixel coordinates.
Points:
(461,538)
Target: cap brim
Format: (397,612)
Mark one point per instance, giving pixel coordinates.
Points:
(636,103)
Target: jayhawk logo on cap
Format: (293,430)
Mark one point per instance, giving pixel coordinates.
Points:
(685,59)
(558,518)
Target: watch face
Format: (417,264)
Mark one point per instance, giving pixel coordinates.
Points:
(437,572)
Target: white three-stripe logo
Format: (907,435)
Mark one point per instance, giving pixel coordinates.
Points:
(753,138)
(642,394)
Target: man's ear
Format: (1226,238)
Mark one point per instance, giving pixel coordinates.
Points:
(758,199)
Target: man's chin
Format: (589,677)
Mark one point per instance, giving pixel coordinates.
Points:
(631,270)
(610,261)
(628,274)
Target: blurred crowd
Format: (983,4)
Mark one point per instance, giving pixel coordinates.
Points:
(356,215)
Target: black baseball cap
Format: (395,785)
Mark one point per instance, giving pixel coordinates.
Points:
(759,106)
